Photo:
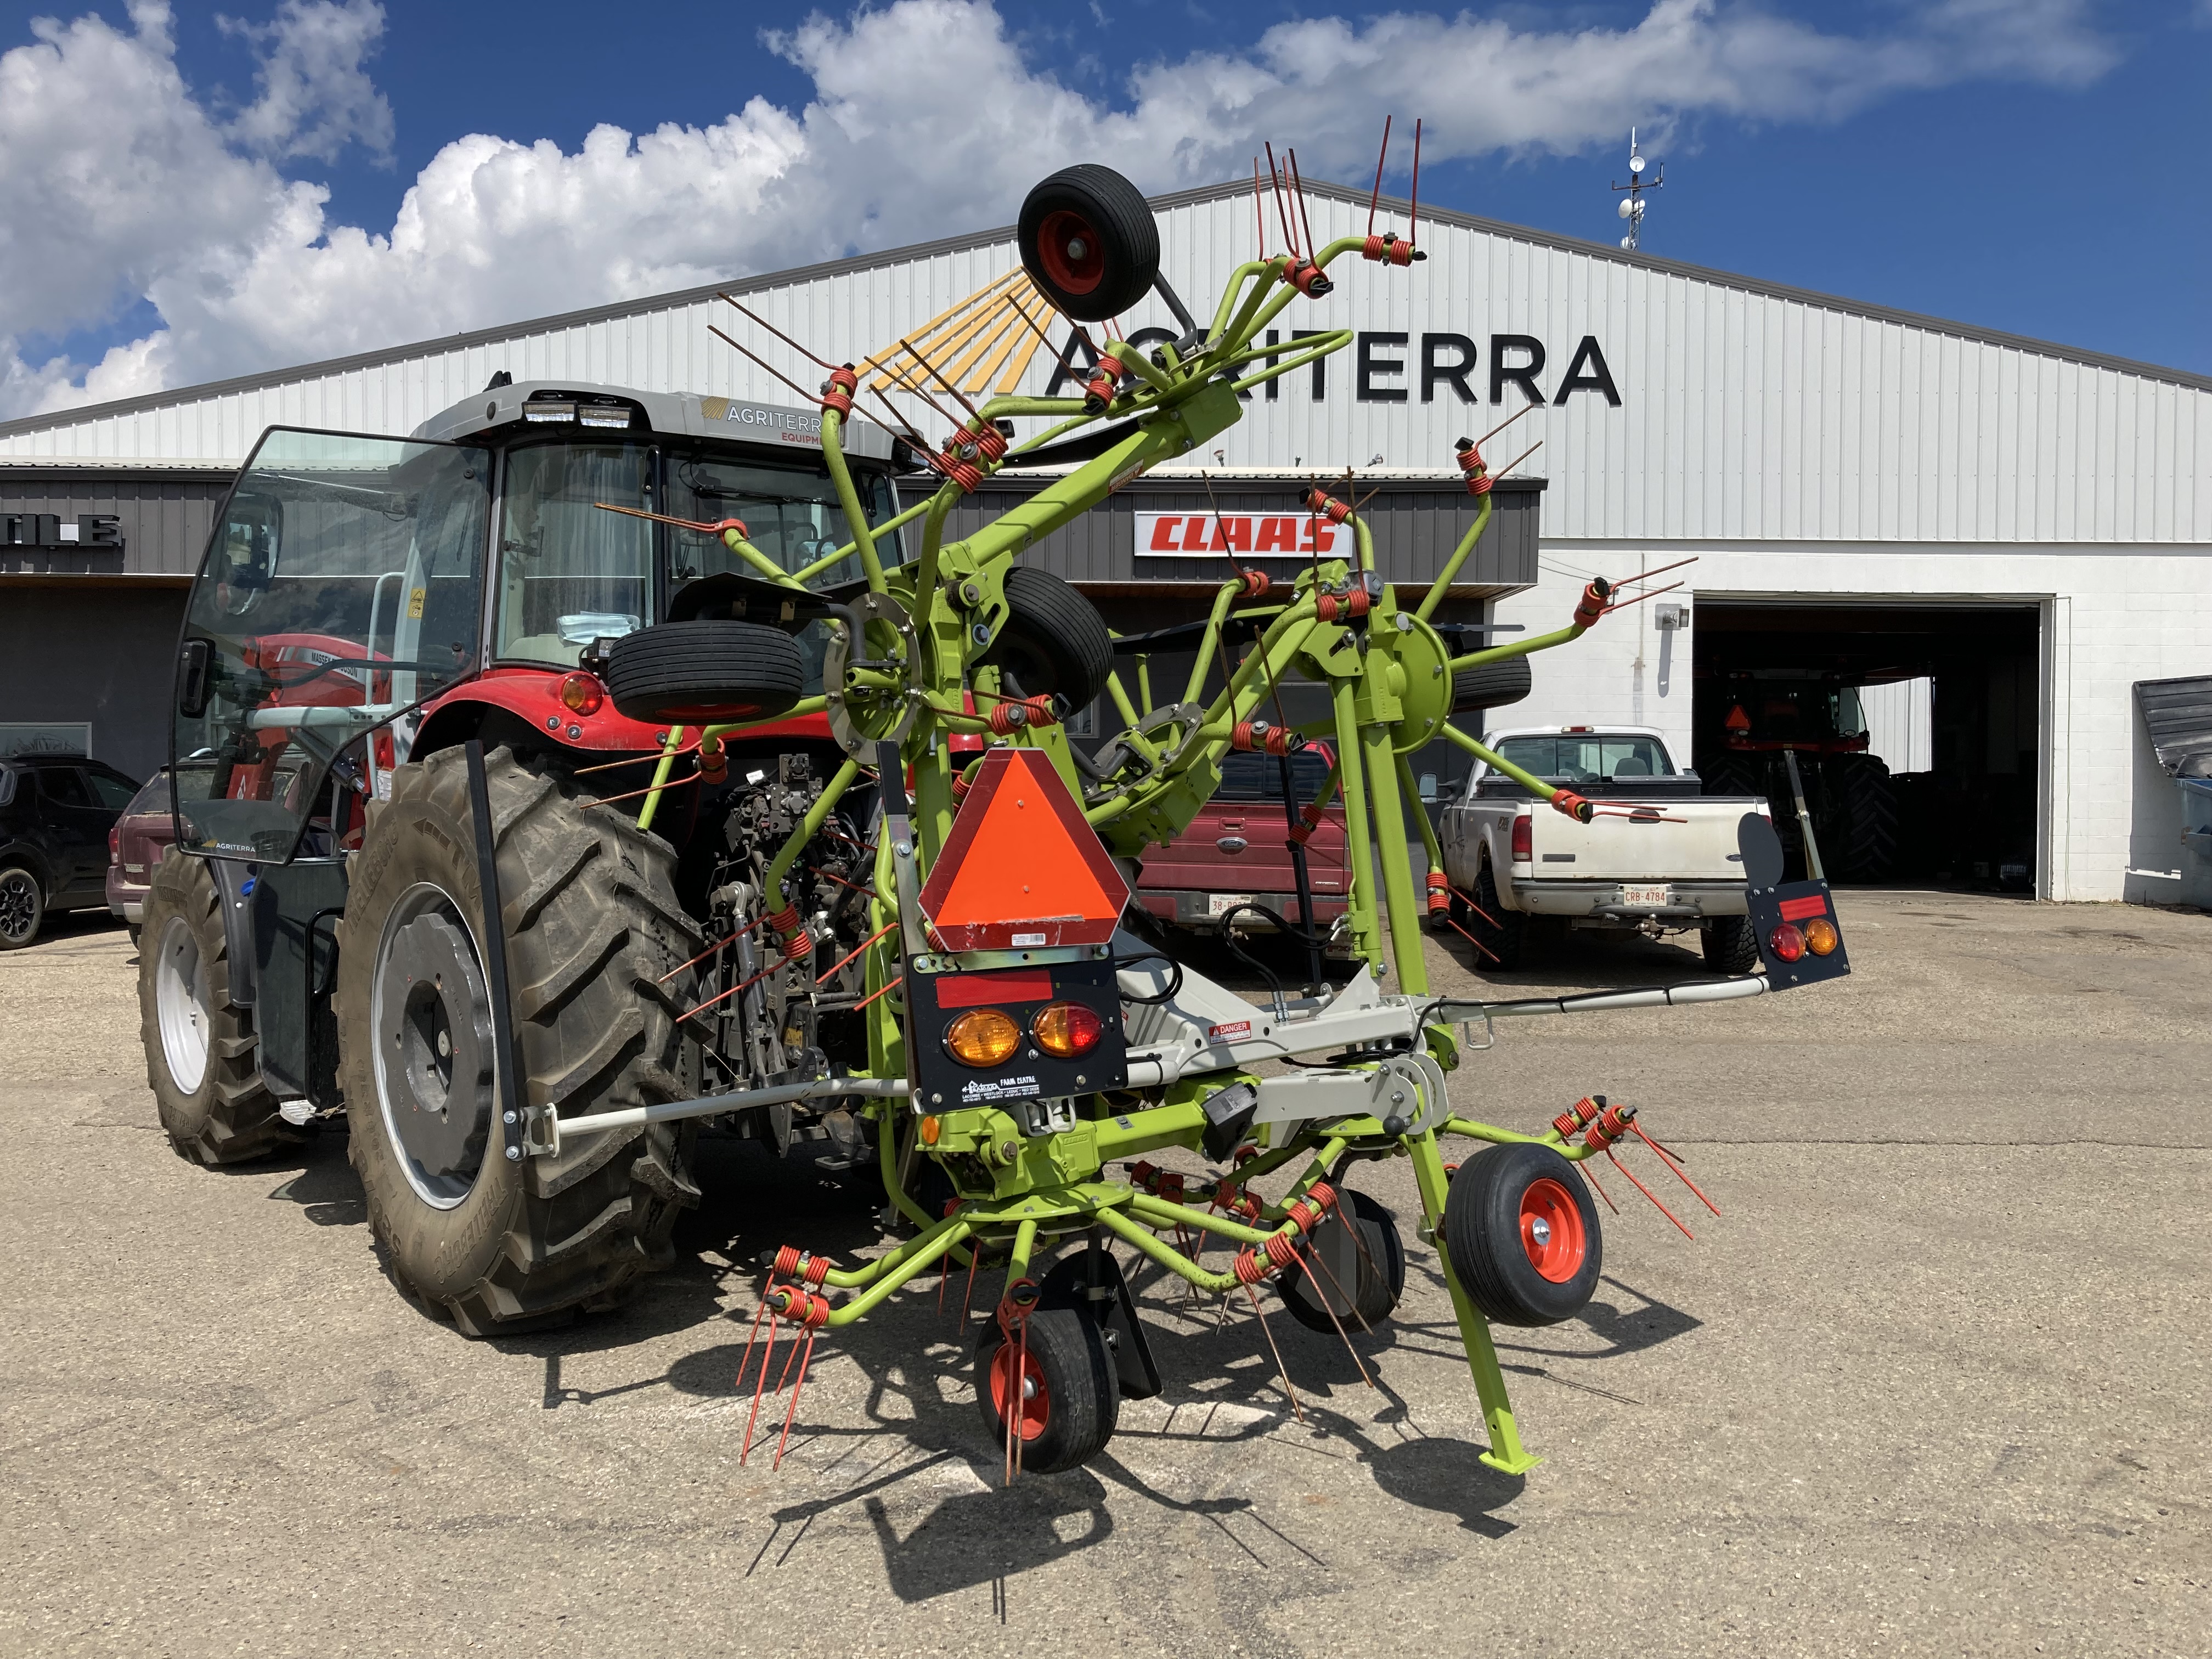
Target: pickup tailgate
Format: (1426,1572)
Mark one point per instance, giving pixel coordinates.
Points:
(1239,847)
(1676,840)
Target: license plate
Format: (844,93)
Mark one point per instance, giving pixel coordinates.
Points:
(1220,904)
(1659,894)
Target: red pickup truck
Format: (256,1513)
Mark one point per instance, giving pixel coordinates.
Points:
(1235,849)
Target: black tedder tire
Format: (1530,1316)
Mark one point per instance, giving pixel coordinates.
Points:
(592,924)
(690,673)
(1491,684)
(1078,1398)
(1088,241)
(1054,642)
(202,1051)
(1502,937)
(1863,805)
(1730,946)
(1364,1283)
(1522,1235)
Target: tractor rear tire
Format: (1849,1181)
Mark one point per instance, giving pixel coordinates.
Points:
(592,926)
(1862,804)
(1491,685)
(1088,241)
(1077,1400)
(1522,1235)
(1504,938)
(1054,642)
(201,1050)
(1378,1271)
(691,673)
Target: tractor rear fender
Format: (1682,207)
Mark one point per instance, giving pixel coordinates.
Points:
(532,696)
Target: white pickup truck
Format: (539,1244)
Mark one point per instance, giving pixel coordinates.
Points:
(1660,856)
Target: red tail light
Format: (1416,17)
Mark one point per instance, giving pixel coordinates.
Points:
(1524,839)
(1067,1029)
(1787,942)
(581,694)
(114,843)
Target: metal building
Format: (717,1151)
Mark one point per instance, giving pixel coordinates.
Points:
(2016,530)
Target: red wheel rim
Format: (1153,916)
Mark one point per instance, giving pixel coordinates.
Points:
(1036,1407)
(1067,245)
(1551,1231)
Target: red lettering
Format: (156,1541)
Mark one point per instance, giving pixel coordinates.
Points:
(1278,536)
(1164,529)
(1239,528)
(1321,537)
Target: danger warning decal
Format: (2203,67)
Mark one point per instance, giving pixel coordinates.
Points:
(1235,1032)
(1184,535)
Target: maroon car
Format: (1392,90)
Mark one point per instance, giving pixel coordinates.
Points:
(1234,850)
(134,845)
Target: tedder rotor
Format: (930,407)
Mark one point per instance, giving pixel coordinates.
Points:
(786,831)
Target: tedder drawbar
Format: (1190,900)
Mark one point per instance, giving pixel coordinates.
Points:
(594,763)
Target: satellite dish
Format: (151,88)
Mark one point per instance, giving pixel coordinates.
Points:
(1636,164)
(1628,241)
(1636,208)
(1627,202)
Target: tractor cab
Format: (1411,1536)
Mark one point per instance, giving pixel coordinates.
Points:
(420,590)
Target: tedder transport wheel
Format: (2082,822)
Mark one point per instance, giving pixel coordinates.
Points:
(1070,1397)
(202,1051)
(1491,685)
(1054,642)
(1730,946)
(592,925)
(689,672)
(1504,935)
(1363,1286)
(1522,1235)
(22,907)
(1088,241)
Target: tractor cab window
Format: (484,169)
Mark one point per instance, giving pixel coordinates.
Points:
(570,571)
(342,587)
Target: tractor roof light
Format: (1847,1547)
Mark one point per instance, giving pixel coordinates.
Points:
(1068,1030)
(609,416)
(551,411)
(1821,936)
(983,1037)
(1786,942)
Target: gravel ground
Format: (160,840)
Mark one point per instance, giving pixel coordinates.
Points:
(1930,1384)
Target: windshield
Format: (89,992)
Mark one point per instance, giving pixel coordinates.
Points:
(1586,757)
(791,514)
(342,586)
(1259,777)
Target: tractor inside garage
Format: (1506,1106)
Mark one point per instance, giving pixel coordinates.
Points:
(1915,729)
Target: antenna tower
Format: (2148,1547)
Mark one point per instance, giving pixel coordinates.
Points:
(1632,203)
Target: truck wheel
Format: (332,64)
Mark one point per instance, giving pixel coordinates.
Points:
(1522,1235)
(1730,946)
(1491,685)
(1862,804)
(1053,641)
(1366,1283)
(1088,241)
(22,907)
(202,1051)
(592,925)
(1070,1398)
(1504,937)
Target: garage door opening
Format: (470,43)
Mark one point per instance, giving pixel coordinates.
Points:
(1915,728)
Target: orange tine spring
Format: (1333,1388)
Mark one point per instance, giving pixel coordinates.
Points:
(759,1386)
(792,1415)
(1647,1192)
(1281,1368)
(1667,1160)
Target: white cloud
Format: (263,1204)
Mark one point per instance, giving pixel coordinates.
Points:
(137,192)
(316,97)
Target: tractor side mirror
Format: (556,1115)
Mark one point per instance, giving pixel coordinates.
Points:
(194,663)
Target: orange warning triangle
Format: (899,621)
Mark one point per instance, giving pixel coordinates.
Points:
(1021,868)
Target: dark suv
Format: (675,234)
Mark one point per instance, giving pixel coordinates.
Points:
(55,814)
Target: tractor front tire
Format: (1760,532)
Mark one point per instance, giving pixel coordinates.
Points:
(201,1050)
(592,927)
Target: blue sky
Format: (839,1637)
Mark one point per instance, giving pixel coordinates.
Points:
(189,195)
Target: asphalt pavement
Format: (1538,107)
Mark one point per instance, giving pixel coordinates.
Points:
(1936,1381)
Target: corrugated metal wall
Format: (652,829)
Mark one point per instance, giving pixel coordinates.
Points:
(164,521)
(1745,414)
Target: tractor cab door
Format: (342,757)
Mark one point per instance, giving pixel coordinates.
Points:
(342,586)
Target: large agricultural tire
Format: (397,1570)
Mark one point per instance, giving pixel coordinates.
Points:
(202,1053)
(1054,642)
(1501,935)
(1072,1396)
(1522,1235)
(1491,685)
(1364,1281)
(1863,805)
(592,926)
(690,673)
(1088,241)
